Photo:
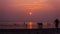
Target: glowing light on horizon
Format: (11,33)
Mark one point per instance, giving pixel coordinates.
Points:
(30,25)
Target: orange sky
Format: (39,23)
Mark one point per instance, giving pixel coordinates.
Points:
(30,4)
(19,9)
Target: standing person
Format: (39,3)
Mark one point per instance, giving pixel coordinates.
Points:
(25,25)
(56,23)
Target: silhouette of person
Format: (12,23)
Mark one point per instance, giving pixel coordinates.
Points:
(39,25)
(56,23)
(25,25)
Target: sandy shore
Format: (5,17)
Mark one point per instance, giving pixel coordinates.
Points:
(30,31)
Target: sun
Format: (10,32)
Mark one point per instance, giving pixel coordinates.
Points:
(30,13)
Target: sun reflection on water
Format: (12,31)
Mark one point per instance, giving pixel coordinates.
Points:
(30,25)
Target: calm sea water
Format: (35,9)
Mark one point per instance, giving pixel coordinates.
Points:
(21,25)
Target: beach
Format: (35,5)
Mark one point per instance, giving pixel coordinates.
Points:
(30,31)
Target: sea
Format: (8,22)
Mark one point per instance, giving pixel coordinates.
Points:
(26,25)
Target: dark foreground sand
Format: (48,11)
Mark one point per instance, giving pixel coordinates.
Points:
(30,31)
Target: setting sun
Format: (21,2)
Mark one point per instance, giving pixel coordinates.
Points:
(30,13)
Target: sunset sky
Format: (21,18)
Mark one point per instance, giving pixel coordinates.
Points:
(26,10)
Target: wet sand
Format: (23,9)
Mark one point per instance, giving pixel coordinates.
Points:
(30,31)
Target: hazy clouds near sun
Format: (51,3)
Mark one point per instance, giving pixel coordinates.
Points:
(13,10)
